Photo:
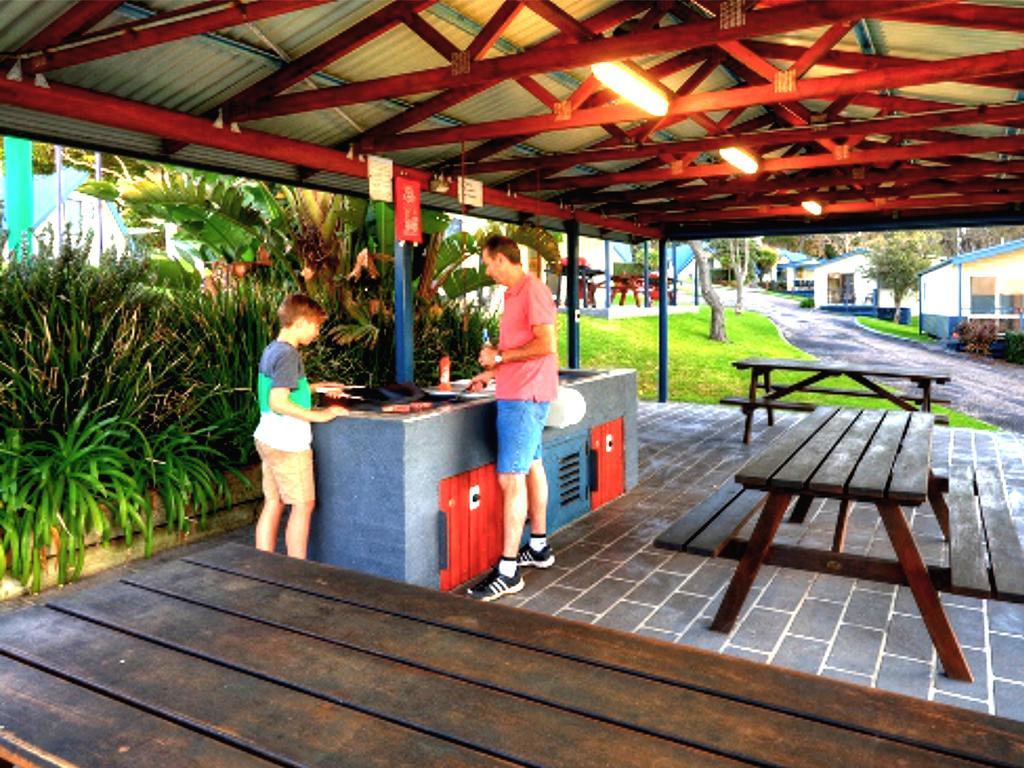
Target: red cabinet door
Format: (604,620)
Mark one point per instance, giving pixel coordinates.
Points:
(471,510)
(607,450)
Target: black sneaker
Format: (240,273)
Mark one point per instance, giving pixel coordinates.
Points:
(494,585)
(529,556)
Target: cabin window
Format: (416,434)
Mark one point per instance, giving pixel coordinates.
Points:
(983,295)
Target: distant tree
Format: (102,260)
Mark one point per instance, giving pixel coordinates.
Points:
(967,239)
(717,332)
(745,258)
(896,258)
(818,246)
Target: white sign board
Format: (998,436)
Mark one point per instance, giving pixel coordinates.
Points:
(380,172)
(471,192)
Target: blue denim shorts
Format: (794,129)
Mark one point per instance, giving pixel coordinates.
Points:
(520,424)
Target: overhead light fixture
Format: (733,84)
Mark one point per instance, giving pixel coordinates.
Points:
(813,207)
(633,84)
(740,159)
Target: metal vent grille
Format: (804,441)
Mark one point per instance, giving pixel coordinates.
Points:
(569,479)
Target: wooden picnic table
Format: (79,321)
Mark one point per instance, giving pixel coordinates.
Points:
(762,368)
(232,657)
(878,457)
(624,284)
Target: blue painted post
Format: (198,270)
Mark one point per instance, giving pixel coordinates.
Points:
(607,274)
(403,312)
(647,277)
(675,275)
(572,293)
(663,320)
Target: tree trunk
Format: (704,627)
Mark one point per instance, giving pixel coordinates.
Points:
(741,276)
(708,292)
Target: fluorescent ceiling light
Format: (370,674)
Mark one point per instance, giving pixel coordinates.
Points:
(739,158)
(633,84)
(813,207)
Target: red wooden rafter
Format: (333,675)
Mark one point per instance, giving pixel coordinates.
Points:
(546,59)
(815,88)
(78,103)
(76,20)
(312,61)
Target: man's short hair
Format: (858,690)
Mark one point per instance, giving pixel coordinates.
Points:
(506,246)
(299,306)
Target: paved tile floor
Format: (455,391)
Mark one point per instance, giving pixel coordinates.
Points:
(867,633)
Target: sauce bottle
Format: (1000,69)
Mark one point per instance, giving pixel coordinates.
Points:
(445,373)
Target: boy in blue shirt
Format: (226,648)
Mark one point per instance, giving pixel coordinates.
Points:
(283,436)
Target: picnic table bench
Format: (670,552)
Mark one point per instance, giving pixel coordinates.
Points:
(878,457)
(761,369)
(232,657)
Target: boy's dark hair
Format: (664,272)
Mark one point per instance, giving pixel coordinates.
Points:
(298,306)
(506,246)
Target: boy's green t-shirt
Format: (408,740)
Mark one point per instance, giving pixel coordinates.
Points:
(281,366)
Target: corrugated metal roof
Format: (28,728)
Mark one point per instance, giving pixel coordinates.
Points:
(196,75)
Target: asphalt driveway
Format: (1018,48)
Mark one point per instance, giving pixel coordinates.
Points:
(992,390)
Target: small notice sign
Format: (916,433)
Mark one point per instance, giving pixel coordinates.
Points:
(408,223)
(471,192)
(380,172)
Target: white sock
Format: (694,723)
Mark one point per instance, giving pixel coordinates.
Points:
(537,543)
(507,568)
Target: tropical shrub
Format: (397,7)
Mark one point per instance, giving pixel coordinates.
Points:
(977,335)
(807,302)
(1015,347)
(101,403)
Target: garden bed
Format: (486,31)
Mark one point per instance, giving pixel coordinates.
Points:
(246,498)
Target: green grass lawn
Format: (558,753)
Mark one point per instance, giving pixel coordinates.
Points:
(700,370)
(895,329)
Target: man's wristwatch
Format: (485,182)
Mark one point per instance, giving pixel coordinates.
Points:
(497,358)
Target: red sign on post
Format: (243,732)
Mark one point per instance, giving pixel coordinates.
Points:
(408,224)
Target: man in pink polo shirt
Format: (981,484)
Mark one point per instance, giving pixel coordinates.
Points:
(525,365)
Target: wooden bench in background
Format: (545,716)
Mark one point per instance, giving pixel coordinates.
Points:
(770,397)
(985,555)
(986,558)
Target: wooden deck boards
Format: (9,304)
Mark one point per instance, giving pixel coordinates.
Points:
(233,657)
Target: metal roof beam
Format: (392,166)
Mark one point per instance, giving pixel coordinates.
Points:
(1009,144)
(196,19)
(1003,18)
(771,212)
(876,222)
(79,18)
(561,57)
(914,174)
(996,115)
(314,60)
(815,88)
(80,104)
(476,50)
(860,61)
(867,194)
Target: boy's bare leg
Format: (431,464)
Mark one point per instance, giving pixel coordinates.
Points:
(296,535)
(266,526)
(537,494)
(513,489)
